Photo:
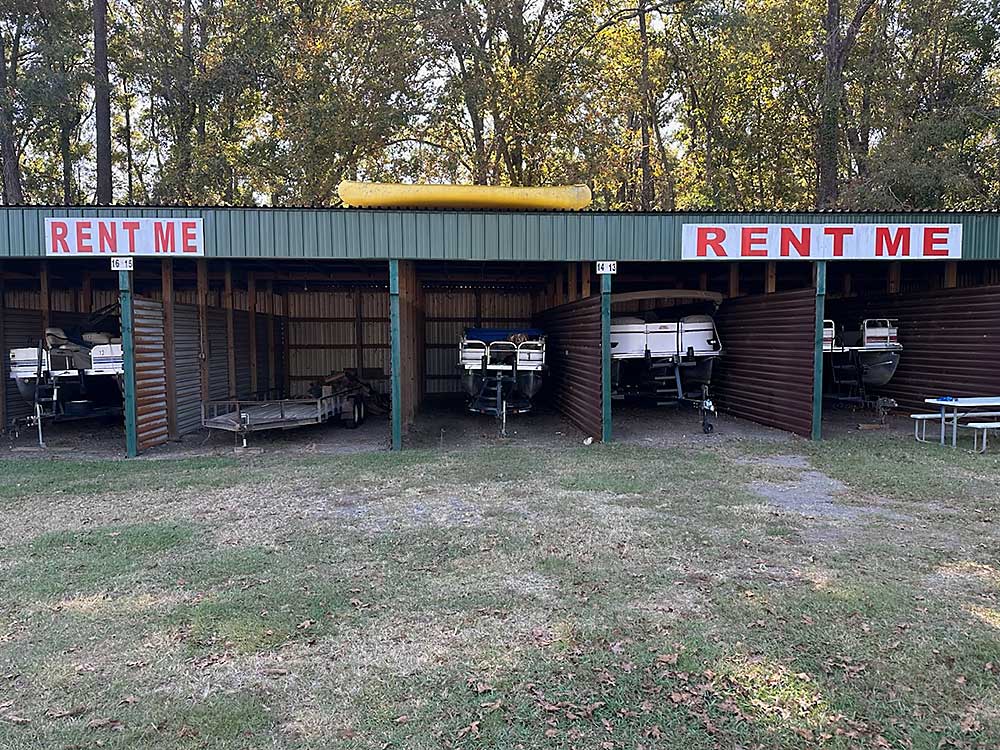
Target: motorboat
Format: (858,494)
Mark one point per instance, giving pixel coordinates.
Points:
(70,375)
(861,358)
(501,368)
(666,355)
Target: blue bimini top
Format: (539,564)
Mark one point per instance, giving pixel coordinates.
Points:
(489,335)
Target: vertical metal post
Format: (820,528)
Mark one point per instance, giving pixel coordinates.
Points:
(605,358)
(396,357)
(817,410)
(128,357)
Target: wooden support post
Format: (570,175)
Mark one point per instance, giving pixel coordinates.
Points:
(395,357)
(286,347)
(734,280)
(44,299)
(895,273)
(585,280)
(227,304)
(771,283)
(271,358)
(170,369)
(252,315)
(85,303)
(202,268)
(573,284)
(950,274)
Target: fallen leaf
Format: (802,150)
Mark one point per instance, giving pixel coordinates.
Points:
(186,731)
(667,658)
(275,671)
(305,624)
(472,729)
(346,733)
(105,723)
(402,719)
(128,700)
(66,713)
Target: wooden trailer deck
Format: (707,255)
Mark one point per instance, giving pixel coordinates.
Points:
(282,414)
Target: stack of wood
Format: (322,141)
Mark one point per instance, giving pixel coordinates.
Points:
(347,381)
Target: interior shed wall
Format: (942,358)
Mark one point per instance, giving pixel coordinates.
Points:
(449,310)
(573,355)
(766,371)
(950,338)
(332,329)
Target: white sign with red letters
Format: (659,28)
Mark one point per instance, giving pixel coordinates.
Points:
(83,237)
(821,241)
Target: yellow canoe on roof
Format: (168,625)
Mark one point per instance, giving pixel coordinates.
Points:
(396,195)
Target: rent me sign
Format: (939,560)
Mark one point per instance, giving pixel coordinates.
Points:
(821,241)
(82,237)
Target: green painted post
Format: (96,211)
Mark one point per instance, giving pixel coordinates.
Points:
(817,413)
(396,357)
(128,356)
(605,358)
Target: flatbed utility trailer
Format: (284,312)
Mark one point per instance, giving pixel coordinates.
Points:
(245,416)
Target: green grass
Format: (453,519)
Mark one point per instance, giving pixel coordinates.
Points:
(506,598)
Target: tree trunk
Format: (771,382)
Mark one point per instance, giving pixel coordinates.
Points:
(646,190)
(12,194)
(102,102)
(128,140)
(65,154)
(827,147)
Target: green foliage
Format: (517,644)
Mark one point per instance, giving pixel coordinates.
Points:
(660,105)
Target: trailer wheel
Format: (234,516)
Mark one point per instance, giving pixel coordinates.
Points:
(364,410)
(708,428)
(357,414)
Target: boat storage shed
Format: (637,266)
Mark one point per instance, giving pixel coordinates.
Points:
(242,303)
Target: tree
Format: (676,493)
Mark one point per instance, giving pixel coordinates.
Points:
(102,102)
(837,47)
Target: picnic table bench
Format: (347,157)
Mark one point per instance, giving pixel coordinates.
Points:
(977,407)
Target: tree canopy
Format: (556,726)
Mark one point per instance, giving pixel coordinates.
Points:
(684,104)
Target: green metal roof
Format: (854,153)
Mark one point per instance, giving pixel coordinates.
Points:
(461,235)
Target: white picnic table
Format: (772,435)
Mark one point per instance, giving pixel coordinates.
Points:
(959,407)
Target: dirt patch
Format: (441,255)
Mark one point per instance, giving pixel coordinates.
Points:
(666,426)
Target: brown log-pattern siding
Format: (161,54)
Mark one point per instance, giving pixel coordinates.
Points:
(573,354)
(765,373)
(150,373)
(950,338)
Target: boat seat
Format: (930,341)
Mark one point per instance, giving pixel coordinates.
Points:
(981,427)
(920,425)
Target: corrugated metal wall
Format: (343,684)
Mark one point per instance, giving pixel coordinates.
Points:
(950,338)
(21,328)
(186,368)
(765,373)
(450,310)
(150,373)
(218,356)
(265,346)
(323,329)
(462,235)
(573,354)
(241,348)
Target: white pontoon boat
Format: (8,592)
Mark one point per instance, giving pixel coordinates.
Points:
(667,355)
(68,377)
(501,369)
(862,358)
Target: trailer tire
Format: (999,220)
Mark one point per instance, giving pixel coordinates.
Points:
(708,428)
(356,415)
(364,411)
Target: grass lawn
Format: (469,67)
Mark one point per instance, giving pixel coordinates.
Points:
(778,595)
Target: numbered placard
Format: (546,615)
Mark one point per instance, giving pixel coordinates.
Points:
(607,267)
(122,264)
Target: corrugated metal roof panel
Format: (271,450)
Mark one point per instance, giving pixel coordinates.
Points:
(461,235)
